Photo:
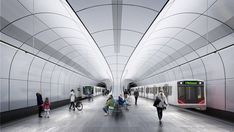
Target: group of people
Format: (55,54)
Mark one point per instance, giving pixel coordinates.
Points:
(111,103)
(43,106)
(160,103)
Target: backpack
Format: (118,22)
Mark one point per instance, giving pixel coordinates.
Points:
(156,102)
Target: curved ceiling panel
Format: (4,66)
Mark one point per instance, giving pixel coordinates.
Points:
(179,36)
(51,27)
(118,27)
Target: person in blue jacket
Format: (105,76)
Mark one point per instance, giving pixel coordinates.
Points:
(122,102)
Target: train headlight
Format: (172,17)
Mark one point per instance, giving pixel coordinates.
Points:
(200,82)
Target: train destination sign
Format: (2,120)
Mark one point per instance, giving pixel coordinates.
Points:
(191,82)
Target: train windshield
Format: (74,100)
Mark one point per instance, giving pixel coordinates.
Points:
(190,93)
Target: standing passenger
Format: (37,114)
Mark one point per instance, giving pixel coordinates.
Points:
(39,103)
(161,105)
(72,100)
(136,94)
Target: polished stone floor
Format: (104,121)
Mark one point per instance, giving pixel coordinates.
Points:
(140,118)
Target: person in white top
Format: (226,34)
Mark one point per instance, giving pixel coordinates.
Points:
(72,100)
(161,105)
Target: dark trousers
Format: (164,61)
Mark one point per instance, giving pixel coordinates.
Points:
(105,109)
(72,105)
(160,113)
(40,109)
(136,97)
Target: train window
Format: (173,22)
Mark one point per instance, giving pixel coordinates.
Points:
(169,90)
(147,90)
(154,90)
(190,94)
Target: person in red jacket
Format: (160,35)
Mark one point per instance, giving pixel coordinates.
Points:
(46,106)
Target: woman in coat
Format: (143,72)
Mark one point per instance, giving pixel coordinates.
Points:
(161,105)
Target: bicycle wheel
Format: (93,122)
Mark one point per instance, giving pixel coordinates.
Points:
(79,106)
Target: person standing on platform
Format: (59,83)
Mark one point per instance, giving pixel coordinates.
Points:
(161,104)
(136,94)
(72,100)
(39,104)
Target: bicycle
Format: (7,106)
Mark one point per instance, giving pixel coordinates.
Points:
(79,105)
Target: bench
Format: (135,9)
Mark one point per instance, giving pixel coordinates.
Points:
(116,110)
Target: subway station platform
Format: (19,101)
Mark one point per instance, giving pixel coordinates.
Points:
(140,118)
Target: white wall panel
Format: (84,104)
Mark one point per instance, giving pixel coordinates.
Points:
(20,65)
(172,75)
(198,70)
(191,56)
(33,88)
(36,69)
(45,90)
(225,41)
(55,74)
(4,95)
(227,56)
(216,94)
(230,95)
(46,74)
(60,91)
(187,73)
(54,91)
(214,67)
(205,50)
(18,94)
(6,55)
(178,73)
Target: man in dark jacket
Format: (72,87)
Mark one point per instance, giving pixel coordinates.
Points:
(39,104)
(136,94)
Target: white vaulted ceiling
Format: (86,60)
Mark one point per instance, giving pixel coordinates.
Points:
(117,26)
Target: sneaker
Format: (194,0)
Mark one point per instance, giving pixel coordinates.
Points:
(105,114)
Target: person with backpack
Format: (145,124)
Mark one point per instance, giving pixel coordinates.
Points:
(136,94)
(160,103)
(46,107)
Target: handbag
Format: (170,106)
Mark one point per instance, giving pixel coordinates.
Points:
(156,102)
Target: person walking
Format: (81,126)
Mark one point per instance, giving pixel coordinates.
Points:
(39,104)
(136,94)
(161,104)
(72,100)
(46,106)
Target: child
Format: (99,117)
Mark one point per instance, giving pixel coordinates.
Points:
(46,106)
